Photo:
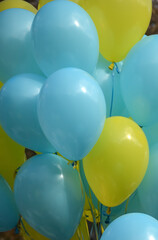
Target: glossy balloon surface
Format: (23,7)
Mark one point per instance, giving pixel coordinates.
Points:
(117,163)
(9,215)
(72,112)
(50,196)
(18,111)
(132,226)
(64,36)
(16,43)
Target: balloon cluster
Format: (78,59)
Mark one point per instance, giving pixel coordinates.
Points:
(83,115)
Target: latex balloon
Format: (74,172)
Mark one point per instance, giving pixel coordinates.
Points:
(64,36)
(109,81)
(132,226)
(33,234)
(28,232)
(7,4)
(11,157)
(72,112)
(1,84)
(16,43)
(9,215)
(147,191)
(50,196)
(151,133)
(18,111)
(139,81)
(120,24)
(117,163)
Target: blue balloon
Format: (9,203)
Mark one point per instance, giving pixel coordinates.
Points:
(139,83)
(16,52)
(9,215)
(64,35)
(49,195)
(148,190)
(18,111)
(132,226)
(109,81)
(72,112)
(151,133)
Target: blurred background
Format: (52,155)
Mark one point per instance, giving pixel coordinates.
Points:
(153,29)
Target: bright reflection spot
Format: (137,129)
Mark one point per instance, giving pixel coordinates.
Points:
(83,89)
(77,23)
(151,238)
(61,176)
(129,137)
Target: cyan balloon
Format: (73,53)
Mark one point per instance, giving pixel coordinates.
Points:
(148,191)
(139,83)
(72,112)
(132,226)
(64,35)
(151,133)
(109,81)
(9,215)
(18,111)
(16,54)
(50,196)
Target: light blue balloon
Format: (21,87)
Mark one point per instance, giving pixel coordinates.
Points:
(109,81)
(49,195)
(151,133)
(9,215)
(16,53)
(132,226)
(64,35)
(18,111)
(139,83)
(72,112)
(148,190)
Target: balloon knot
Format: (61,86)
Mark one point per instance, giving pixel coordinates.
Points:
(108,211)
(111,67)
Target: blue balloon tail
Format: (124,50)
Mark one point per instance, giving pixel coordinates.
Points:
(22,224)
(117,68)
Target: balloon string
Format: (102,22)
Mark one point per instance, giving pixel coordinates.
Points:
(100,226)
(126,208)
(26,232)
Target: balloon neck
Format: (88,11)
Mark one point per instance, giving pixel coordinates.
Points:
(108,211)
(111,67)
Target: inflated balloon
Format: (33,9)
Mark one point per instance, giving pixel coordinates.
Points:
(64,35)
(139,83)
(151,133)
(72,112)
(132,226)
(28,232)
(120,24)
(117,163)
(16,43)
(49,195)
(109,83)
(9,215)
(7,4)
(18,111)
(147,191)
(11,157)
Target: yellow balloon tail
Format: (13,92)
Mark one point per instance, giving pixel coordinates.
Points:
(112,65)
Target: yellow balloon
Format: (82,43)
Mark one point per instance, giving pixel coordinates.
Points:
(117,163)
(42,3)
(7,4)
(120,24)
(11,157)
(1,84)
